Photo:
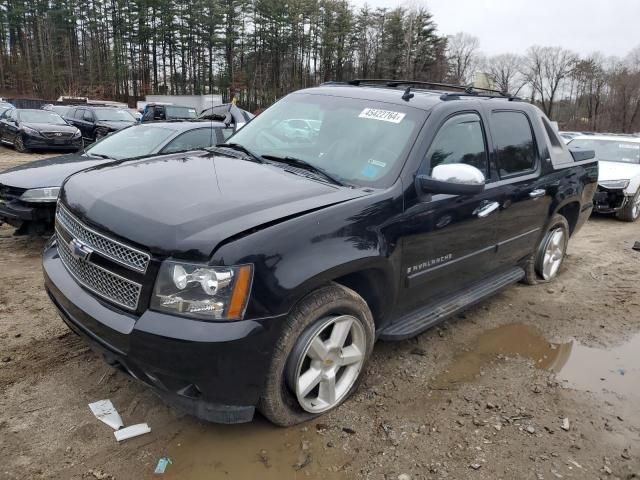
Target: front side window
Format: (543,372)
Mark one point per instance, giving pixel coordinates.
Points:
(514,143)
(614,150)
(357,141)
(460,140)
(193,140)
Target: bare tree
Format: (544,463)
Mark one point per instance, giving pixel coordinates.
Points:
(463,54)
(545,69)
(505,71)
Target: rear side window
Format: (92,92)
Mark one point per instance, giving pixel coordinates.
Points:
(514,142)
(459,140)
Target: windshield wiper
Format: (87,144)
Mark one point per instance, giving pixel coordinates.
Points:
(298,162)
(238,148)
(101,155)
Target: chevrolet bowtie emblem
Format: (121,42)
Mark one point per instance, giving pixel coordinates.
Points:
(79,250)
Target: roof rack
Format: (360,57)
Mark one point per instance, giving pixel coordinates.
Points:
(465,90)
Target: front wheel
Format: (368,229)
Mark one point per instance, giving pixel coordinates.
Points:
(320,357)
(544,264)
(18,143)
(631,211)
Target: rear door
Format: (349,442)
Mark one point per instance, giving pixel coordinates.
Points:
(524,199)
(450,242)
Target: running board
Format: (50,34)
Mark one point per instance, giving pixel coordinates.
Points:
(426,317)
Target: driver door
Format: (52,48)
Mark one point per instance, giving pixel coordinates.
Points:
(451,240)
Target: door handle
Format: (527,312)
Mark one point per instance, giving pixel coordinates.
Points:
(537,193)
(486,209)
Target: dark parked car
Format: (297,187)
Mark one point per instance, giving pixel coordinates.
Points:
(227,113)
(28,129)
(98,122)
(260,276)
(28,192)
(4,106)
(154,112)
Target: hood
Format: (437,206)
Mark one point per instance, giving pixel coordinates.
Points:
(186,205)
(49,128)
(115,125)
(49,172)
(617,170)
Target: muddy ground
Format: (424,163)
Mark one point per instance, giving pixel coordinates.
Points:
(485,396)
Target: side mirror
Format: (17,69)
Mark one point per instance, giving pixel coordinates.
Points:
(453,179)
(581,155)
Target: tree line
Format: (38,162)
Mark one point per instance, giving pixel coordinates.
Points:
(259,50)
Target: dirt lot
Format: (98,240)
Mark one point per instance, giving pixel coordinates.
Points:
(483,397)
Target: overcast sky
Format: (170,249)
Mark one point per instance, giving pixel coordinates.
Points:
(585,26)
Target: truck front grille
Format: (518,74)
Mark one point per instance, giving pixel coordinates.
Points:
(100,281)
(112,249)
(97,277)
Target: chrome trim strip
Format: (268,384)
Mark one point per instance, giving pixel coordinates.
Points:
(108,239)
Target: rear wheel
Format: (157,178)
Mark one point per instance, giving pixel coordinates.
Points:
(19,145)
(631,211)
(544,264)
(320,357)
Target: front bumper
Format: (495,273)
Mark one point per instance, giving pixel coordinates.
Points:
(33,142)
(212,370)
(16,213)
(609,200)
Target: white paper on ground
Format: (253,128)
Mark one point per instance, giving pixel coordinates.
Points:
(107,413)
(132,431)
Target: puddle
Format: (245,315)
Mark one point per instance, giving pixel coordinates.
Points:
(577,366)
(256,450)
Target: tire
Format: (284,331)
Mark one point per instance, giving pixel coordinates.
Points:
(631,211)
(100,134)
(18,143)
(279,402)
(534,269)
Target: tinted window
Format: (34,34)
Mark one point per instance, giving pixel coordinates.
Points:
(513,138)
(460,140)
(135,141)
(88,116)
(79,113)
(193,140)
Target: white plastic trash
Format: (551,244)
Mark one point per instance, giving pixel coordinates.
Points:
(132,431)
(107,413)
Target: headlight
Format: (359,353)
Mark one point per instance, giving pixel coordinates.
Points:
(202,291)
(48,194)
(31,131)
(77,134)
(614,184)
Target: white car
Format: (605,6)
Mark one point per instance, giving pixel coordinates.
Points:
(619,173)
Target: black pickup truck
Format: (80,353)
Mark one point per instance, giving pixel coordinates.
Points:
(260,275)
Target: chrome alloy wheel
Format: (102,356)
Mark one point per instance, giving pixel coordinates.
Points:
(553,254)
(329,363)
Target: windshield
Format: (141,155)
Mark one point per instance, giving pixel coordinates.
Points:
(131,142)
(180,112)
(41,116)
(361,142)
(60,110)
(613,150)
(114,115)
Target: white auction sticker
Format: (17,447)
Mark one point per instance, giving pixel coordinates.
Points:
(384,115)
